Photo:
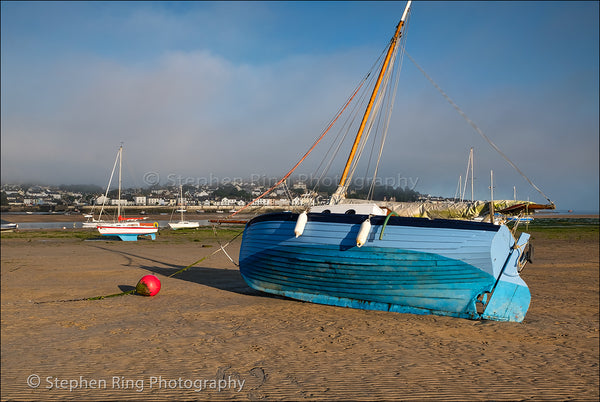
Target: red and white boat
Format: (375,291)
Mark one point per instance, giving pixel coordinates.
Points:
(127,229)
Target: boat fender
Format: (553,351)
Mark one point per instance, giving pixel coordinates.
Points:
(300,224)
(363,233)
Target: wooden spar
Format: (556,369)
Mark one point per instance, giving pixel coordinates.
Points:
(363,123)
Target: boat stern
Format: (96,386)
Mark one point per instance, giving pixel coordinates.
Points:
(509,299)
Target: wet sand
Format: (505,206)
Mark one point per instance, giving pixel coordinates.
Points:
(207,325)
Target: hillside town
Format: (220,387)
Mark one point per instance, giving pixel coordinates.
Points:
(16,197)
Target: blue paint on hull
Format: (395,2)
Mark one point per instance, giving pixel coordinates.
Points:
(129,237)
(416,267)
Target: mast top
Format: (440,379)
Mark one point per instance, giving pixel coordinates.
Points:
(405,11)
(340,193)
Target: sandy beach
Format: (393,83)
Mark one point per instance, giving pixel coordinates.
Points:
(207,335)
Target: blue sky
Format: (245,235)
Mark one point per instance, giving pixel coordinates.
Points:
(238,89)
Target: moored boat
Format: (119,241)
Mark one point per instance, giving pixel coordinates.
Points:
(7,226)
(363,255)
(410,265)
(183,224)
(127,229)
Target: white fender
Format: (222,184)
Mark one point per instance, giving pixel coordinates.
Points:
(300,223)
(363,233)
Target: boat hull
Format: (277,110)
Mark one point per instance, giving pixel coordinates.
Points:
(184,225)
(129,231)
(420,266)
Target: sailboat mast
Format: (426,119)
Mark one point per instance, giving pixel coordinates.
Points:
(181,200)
(472,177)
(492,212)
(119,193)
(365,118)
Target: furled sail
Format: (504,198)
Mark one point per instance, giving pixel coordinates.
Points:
(456,209)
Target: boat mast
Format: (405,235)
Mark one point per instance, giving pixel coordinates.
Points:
(340,192)
(492,212)
(472,177)
(181,199)
(469,166)
(120,165)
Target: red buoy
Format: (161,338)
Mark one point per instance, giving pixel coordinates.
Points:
(149,285)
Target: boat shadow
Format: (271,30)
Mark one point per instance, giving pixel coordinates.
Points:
(229,280)
(223,279)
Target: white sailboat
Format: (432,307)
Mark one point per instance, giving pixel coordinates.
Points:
(182,224)
(127,229)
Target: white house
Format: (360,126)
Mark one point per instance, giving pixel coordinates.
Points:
(102,200)
(155,201)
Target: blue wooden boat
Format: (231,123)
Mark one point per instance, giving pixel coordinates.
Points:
(362,256)
(409,265)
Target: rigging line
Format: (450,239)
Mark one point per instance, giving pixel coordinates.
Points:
(391,100)
(108,187)
(346,127)
(371,121)
(377,131)
(485,137)
(457,192)
(396,71)
(305,155)
(208,256)
(464,189)
(388,101)
(222,247)
(337,141)
(350,121)
(287,191)
(385,101)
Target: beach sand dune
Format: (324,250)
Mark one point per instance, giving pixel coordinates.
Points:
(206,328)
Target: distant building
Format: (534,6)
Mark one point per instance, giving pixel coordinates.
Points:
(155,201)
(102,200)
(299,186)
(305,199)
(118,202)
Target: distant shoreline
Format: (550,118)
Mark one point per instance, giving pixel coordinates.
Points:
(74,217)
(563,216)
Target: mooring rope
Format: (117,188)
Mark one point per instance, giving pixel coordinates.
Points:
(221,248)
(128,292)
(133,291)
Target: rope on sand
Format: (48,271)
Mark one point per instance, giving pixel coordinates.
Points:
(142,291)
(221,248)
